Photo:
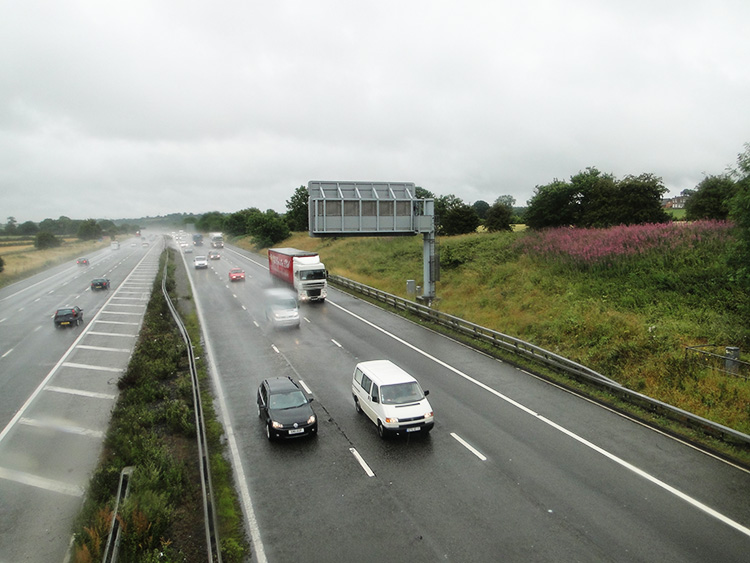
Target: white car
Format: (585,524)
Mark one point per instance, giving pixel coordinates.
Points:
(281,308)
(200,262)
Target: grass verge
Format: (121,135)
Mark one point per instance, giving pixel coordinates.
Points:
(153,430)
(628,316)
(22,261)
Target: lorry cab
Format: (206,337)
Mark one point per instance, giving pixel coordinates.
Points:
(391,398)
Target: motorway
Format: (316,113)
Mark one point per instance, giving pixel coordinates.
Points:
(57,390)
(515,469)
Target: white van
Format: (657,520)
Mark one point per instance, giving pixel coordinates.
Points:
(391,398)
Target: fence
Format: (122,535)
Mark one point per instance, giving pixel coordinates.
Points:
(547,358)
(728,363)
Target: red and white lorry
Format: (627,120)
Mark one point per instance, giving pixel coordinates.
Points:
(302,270)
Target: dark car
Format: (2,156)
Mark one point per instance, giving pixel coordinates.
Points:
(82,261)
(285,409)
(99,283)
(214,255)
(68,316)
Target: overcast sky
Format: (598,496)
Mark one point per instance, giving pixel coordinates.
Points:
(144,108)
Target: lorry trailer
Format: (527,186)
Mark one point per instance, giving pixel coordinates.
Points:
(300,269)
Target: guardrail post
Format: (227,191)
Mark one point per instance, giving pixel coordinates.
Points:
(113,540)
(731,363)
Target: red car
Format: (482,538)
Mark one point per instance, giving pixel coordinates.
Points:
(236,274)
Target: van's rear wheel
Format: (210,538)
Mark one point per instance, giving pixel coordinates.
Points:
(357,406)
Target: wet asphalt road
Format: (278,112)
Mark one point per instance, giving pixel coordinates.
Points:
(514,470)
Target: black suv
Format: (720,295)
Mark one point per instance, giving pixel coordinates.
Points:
(68,316)
(285,409)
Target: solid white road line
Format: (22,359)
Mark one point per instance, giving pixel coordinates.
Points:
(693,502)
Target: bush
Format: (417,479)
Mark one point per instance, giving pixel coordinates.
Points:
(45,240)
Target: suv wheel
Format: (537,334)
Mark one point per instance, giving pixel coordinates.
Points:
(268,432)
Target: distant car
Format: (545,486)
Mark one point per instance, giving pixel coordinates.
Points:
(281,308)
(188,250)
(236,274)
(68,316)
(213,255)
(82,261)
(99,283)
(200,262)
(144,244)
(285,409)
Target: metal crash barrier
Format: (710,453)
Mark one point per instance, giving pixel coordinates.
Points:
(547,358)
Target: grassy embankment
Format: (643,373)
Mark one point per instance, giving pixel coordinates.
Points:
(624,302)
(153,430)
(23,260)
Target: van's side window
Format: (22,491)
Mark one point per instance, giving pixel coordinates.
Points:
(358,376)
(375,394)
(366,383)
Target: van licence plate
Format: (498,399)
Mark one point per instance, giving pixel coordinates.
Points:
(414,429)
(296,430)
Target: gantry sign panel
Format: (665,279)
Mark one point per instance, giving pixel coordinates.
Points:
(366,208)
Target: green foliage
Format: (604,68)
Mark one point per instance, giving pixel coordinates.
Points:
(552,205)
(27,228)
(297,210)
(236,223)
(267,228)
(481,207)
(44,240)
(458,220)
(2,264)
(594,199)
(499,218)
(637,201)
(213,221)
(739,212)
(710,200)
(89,230)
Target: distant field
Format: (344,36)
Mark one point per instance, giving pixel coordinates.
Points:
(23,260)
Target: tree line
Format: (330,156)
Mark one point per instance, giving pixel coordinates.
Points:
(590,198)
(50,232)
